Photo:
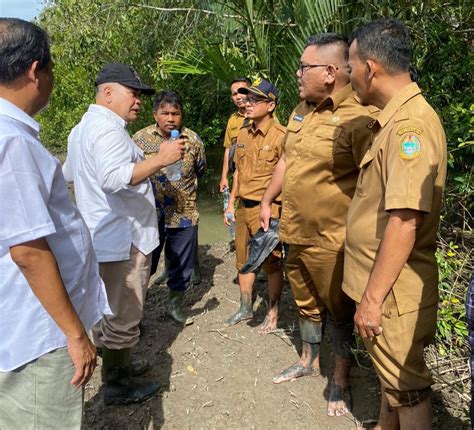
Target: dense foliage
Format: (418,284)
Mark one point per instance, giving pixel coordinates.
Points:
(197,47)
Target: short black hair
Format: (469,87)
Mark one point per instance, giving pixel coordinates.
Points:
(167,97)
(386,40)
(21,44)
(327,39)
(241,79)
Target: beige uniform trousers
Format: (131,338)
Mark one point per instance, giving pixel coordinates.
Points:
(397,353)
(315,275)
(126,283)
(39,395)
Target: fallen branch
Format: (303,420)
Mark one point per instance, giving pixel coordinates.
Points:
(225,336)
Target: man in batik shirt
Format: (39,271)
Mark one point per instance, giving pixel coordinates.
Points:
(177,212)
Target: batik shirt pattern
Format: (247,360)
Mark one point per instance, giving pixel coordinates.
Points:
(175,200)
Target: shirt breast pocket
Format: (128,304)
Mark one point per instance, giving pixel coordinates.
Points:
(324,144)
(266,160)
(362,183)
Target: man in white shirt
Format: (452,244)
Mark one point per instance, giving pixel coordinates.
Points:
(115,197)
(50,289)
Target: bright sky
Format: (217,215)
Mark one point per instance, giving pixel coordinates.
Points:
(25,9)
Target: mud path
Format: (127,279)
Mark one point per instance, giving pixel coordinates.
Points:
(214,377)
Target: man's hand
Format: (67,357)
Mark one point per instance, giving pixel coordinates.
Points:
(84,357)
(368,318)
(229,214)
(265,215)
(223,184)
(170,152)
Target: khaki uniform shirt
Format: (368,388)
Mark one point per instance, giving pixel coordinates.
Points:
(324,146)
(235,122)
(257,153)
(405,168)
(175,200)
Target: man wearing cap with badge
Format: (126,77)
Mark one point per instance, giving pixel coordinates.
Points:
(390,266)
(328,135)
(115,197)
(258,149)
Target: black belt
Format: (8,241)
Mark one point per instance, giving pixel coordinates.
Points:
(249,203)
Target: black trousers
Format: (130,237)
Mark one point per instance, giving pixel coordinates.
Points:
(180,246)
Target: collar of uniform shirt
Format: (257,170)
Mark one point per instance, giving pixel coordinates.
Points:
(264,129)
(410,91)
(335,99)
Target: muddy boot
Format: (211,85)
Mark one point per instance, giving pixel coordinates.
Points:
(196,277)
(311,336)
(245,311)
(120,387)
(162,278)
(139,367)
(175,307)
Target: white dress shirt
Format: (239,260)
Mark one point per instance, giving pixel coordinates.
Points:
(100,161)
(34,203)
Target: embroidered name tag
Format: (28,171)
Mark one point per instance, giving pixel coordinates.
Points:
(240,145)
(298,118)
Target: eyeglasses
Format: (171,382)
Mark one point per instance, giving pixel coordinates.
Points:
(303,67)
(253,101)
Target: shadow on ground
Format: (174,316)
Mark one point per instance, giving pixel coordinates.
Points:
(158,334)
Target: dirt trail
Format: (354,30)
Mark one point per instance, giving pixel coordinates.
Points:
(214,377)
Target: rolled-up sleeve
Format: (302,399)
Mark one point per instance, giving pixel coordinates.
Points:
(113,161)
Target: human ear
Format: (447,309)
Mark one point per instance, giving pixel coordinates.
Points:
(108,92)
(32,73)
(371,68)
(331,73)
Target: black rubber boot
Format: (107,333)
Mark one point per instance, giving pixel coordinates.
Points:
(139,367)
(120,387)
(175,307)
(162,278)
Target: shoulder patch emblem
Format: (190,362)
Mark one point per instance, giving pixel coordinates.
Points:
(410,147)
(409,130)
(298,118)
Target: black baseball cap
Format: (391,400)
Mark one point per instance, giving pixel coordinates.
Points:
(262,88)
(123,74)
